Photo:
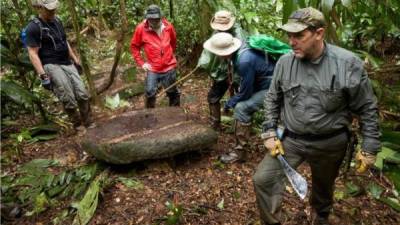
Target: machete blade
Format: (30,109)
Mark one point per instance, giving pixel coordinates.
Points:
(298,182)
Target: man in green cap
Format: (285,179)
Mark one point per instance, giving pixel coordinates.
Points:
(314,91)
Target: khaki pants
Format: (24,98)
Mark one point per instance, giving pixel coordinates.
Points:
(324,158)
(67,84)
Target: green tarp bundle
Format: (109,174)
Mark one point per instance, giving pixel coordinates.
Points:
(274,47)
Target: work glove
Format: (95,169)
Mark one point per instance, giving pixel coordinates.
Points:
(46,82)
(146,67)
(364,160)
(274,146)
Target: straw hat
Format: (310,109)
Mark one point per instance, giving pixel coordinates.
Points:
(223,20)
(222,44)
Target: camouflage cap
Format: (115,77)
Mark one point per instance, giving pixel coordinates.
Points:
(301,19)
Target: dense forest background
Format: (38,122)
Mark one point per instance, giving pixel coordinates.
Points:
(41,185)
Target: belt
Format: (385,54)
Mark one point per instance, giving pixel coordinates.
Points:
(315,137)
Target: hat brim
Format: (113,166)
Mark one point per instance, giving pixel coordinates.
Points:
(153,16)
(52,6)
(294,27)
(223,52)
(222,27)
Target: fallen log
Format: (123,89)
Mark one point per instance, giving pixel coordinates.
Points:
(147,134)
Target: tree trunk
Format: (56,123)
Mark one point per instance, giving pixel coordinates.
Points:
(119,48)
(171,9)
(85,63)
(147,134)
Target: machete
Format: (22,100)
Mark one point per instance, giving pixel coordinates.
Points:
(298,182)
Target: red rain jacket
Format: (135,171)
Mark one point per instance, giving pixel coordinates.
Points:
(159,50)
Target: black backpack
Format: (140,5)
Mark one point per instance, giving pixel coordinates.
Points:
(23,32)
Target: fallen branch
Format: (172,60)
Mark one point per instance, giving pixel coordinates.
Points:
(177,82)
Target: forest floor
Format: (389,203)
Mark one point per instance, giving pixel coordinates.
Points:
(208,192)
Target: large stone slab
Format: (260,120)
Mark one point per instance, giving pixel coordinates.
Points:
(147,134)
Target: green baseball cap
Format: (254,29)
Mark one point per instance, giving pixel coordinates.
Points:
(301,19)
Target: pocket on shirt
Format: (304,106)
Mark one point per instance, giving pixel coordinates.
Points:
(331,100)
(292,93)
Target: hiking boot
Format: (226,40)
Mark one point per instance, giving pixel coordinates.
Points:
(74,117)
(86,114)
(174,99)
(319,220)
(215,116)
(242,134)
(150,102)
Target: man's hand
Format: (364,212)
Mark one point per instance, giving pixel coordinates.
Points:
(146,67)
(46,82)
(274,146)
(364,160)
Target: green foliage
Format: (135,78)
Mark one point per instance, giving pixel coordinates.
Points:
(35,186)
(375,190)
(130,183)
(220,205)
(359,24)
(18,94)
(87,206)
(392,171)
(115,102)
(353,189)
(174,214)
(387,155)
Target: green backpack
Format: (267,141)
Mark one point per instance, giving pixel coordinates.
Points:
(274,47)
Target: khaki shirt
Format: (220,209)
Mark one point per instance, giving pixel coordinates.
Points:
(318,97)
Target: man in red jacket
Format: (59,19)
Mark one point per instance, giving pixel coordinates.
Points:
(158,38)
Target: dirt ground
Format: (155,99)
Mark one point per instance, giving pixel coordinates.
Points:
(196,181)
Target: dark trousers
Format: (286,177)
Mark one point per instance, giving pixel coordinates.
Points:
(324,158)
(217,91)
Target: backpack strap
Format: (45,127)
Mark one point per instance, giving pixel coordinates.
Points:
(37,21)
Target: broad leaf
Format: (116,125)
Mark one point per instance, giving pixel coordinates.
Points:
(392,202)
(40,205)
(17,93)
(131,183)
(375,190)
(352,189)
(87,206)
(387,154)
(392,171)
(221,204)
(112,102)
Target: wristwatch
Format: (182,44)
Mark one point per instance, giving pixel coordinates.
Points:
(269,126)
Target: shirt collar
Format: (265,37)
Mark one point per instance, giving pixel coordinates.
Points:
(161,27)
(324,52)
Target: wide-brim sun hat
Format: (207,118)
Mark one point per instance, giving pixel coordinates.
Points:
(49,4)
(223,20)
(222,44)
